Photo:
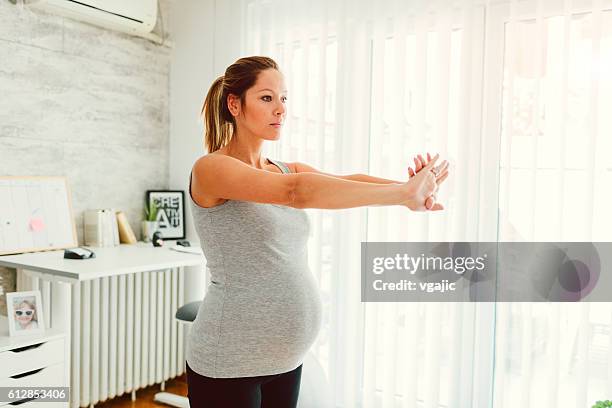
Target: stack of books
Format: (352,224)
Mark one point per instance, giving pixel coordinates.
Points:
(106,227)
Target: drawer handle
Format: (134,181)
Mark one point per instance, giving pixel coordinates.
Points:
(26,374)
(33,346)
(23,401)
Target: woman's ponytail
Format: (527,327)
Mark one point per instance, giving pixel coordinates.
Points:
(217,131)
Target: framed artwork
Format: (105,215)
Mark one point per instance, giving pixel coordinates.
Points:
(170,213)
(25,313)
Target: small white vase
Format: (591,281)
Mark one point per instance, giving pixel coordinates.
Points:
(148,229)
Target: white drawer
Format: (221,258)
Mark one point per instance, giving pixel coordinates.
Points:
(52,376)
(31,358)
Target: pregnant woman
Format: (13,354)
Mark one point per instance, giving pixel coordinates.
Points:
(262,309)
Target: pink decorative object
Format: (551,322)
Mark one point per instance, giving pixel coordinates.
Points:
(37,224)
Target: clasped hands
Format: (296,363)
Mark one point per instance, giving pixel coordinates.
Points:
(424,181)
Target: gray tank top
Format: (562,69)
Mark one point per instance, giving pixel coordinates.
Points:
(262,308)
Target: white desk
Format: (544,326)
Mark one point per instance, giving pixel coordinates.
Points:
(111,306)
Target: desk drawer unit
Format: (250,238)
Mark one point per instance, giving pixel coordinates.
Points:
(50,376)
(25,359)
(124,335)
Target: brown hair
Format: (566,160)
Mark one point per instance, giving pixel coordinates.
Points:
(219,124)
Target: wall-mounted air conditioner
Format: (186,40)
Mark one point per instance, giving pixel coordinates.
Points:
(136,17)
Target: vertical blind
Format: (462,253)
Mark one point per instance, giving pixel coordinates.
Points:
(513,94)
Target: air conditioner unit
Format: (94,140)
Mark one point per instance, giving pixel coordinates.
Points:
(136,17)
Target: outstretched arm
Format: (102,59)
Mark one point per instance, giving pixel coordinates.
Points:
(441,172)
(305,168)
(319,190)
(221,176)
(298,167)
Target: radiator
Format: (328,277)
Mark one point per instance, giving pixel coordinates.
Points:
(124,335)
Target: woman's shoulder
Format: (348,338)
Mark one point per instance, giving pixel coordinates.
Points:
(209,160)
(208,156)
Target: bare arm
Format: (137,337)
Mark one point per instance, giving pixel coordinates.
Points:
(319,190)
(219,176)
(298,167)
(316,190)
(369,179)
(302,167)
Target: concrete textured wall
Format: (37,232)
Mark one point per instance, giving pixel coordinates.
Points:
(86,103)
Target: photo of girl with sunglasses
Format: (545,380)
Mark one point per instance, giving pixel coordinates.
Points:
(24,310)
(25,315)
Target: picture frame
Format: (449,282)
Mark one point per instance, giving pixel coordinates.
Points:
(171,212)
(25,313)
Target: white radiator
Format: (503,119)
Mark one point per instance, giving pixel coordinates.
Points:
(124,335)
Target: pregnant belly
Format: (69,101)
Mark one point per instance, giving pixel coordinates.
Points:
(282,320)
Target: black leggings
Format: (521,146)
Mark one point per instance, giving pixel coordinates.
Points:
(266,391)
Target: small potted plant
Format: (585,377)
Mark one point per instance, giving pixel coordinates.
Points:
(150,223)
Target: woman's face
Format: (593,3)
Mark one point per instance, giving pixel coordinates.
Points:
(24,314)
(263,113)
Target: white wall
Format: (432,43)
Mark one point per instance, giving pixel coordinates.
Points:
(205,43)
